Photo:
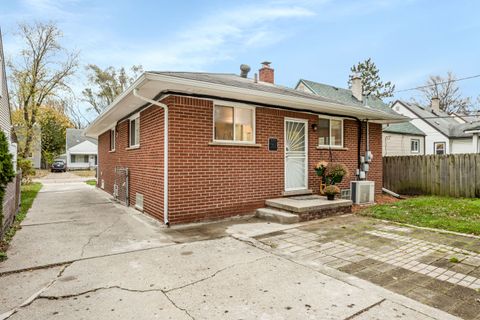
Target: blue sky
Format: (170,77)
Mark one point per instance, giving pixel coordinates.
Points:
(317,40)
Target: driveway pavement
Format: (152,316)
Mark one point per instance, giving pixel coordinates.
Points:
(80,256)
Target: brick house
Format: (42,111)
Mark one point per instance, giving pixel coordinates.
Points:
(203,146)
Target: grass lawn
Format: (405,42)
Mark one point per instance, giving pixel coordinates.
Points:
(29,193)
(92,182)
(454,214)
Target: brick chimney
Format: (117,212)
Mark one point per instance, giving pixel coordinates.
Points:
(357,87)
(266,73)
(435,104)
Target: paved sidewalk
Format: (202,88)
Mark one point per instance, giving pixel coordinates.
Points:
(441,270)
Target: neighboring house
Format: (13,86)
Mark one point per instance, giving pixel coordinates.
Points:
(81,151)
(11,198)
(403,139)
(35,154)
(444,133)
(202,146)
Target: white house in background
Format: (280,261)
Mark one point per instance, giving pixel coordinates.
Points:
(402,139)
(444,133)
(81,152)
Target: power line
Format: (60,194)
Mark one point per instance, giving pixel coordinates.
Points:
(439,83)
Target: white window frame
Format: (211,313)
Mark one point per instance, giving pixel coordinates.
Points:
(235,106)
(135,117)
(113,131)
(418,145)
(330,133)
(435,148)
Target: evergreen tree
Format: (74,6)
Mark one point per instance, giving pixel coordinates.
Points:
(372,85)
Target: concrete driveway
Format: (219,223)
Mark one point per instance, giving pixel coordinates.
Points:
(80,256)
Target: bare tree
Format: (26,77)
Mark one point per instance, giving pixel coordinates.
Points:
(39,72)
(107,85)
(448,92)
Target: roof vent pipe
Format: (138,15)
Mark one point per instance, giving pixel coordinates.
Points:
(244,70)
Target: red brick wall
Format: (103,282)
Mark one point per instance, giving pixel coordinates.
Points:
(212,181)
(145,164)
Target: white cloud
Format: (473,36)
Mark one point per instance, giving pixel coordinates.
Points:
(217,37)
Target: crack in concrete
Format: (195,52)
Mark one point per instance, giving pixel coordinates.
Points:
(47,223)
(38,295)
(214,274)
(365,309)
(68,296)
(51,265)
(90,239)
(35,296)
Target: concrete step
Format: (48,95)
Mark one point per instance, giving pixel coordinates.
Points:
(275,215)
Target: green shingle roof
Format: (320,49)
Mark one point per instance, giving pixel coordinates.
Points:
(403,128)
(345,96)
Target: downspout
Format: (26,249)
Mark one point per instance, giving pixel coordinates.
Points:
(165,152)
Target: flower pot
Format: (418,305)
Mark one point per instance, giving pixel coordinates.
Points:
(330,197)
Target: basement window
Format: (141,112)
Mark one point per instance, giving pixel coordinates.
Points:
(134,131)
(234,124)
(330,132)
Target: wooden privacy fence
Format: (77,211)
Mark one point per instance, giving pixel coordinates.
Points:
(455,175)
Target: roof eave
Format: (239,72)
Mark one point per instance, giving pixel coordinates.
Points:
(172,83)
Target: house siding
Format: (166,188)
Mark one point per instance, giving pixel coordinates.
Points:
(215,181)
(11,197)
(395,144)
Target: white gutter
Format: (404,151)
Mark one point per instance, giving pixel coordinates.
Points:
(165,152)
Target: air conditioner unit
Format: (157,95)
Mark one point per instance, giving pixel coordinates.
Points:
(362,191)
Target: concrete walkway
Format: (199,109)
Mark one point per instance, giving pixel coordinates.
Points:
(80,256)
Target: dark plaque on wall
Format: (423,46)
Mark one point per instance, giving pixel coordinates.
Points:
(272,144)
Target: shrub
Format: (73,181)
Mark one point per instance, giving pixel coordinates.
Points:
(332,190)
(6,170)
(27,170)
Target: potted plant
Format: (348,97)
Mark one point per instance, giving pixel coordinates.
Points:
(335,172)
(331,191)
(320,169)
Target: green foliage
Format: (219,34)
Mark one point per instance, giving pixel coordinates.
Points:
(27,170)
(372,85)
(54,124)
(454,260)
(320,168)
(335,172)
(454,214)
(29,193)
(92,182)
(7,172)
(332,172)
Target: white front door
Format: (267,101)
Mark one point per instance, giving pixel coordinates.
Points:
(296,157)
